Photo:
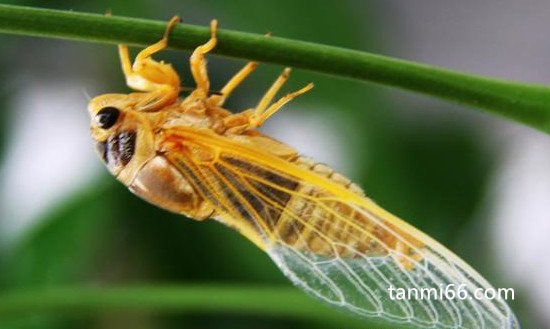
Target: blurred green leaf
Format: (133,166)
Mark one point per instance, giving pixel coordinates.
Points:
(433,177)
(63,247)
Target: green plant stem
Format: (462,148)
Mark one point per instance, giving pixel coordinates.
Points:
(188,298)
(260,301)
(526,103)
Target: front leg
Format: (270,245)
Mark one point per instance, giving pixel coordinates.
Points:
(147,75)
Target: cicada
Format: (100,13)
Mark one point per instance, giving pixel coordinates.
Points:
(193,157)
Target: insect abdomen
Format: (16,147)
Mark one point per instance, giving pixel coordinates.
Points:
(299,213)
(321,224)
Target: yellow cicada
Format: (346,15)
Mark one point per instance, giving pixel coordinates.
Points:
(193,157)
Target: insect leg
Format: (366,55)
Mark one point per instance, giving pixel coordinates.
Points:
(233,83)
(259,117)
(146,74)
(137,70)
(271,92)
(198,62)
(253,118)
(161,44)
(125,60)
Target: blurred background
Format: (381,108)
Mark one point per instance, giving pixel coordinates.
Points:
(475,182)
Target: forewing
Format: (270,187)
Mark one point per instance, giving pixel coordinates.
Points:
(339,245)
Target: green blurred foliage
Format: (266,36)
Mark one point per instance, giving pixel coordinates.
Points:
(105,235)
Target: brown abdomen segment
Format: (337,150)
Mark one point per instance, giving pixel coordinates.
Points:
(330,227)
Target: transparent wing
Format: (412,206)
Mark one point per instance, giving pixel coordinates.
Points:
(340,246)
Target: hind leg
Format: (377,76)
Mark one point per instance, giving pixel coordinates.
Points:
(253,118)
(234,82)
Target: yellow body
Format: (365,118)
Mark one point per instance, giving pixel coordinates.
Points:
(195,158)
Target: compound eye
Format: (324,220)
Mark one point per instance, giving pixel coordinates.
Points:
(107,117)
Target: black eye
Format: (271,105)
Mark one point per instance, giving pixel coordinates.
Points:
(107,117)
